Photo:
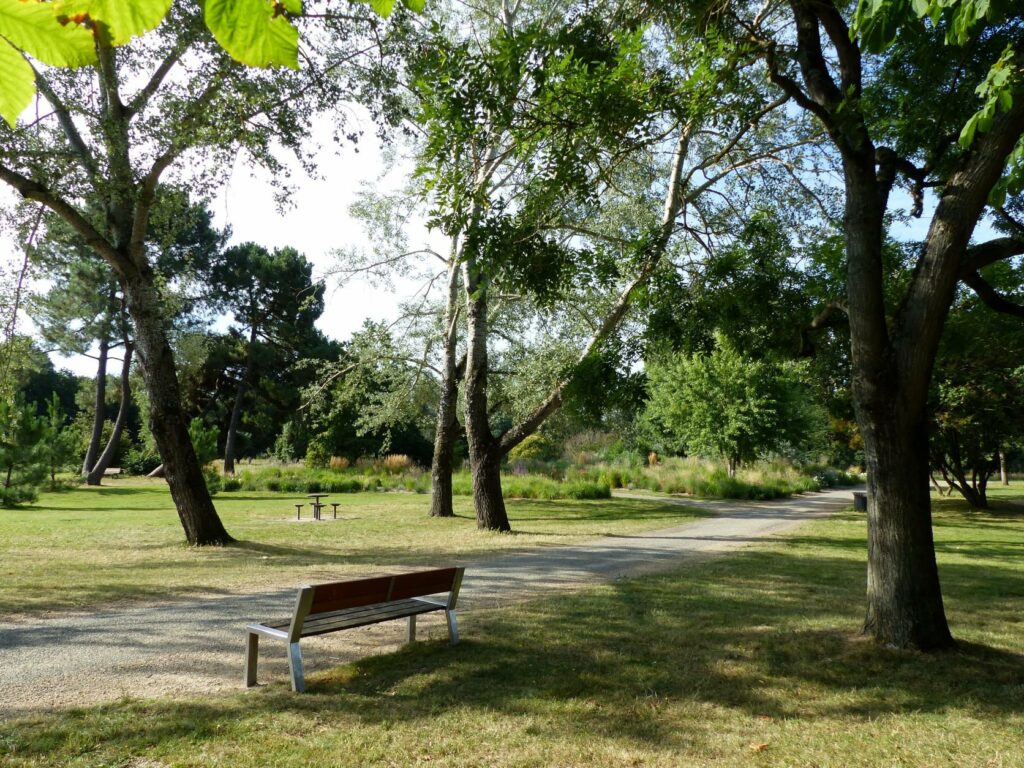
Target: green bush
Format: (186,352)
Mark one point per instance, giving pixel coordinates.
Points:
(140,461)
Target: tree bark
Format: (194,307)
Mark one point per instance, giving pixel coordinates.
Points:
(892,356)
(1004,475)
(166,419)
(100,412)
(95,476)
(905,607)
(236,409)
(484,450)
(447,408)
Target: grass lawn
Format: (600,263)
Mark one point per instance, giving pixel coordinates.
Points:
(82,548)
(749,660)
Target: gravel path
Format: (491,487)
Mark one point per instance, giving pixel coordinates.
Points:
(189,647)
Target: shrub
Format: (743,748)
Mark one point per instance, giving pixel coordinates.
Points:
(338,462)
(395,464)
(318,455)
(535,447)
(140,461)
(232,484)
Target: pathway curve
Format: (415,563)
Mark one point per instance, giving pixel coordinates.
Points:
(189,647)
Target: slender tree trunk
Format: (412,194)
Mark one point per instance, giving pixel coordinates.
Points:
(166,418)
(95,476)
(447,407)
(484,451)
(100,412)
(236,409)
(1004,475)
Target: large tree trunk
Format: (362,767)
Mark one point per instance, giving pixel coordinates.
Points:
(236,409)
(905,607)
(100,413)
(447,407)
(166,418)
(484,451)
(95,476)
(904,596)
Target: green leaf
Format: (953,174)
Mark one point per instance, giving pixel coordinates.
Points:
(32,27)
(17,84)
(967,134)
(382,7)
(416,6)
(255,32)
(116,21)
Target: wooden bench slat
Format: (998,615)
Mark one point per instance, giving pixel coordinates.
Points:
(422,583)
(350,594)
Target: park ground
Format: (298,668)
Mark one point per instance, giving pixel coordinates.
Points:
(748,660)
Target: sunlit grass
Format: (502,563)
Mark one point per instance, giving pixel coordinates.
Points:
(93,546)
(754,659)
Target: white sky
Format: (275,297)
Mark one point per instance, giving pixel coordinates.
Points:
(315,222)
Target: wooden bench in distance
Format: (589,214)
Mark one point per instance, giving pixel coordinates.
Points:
(323,608)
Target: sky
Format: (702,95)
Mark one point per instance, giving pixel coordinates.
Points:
(315,222)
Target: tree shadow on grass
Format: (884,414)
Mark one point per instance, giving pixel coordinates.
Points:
(763,633)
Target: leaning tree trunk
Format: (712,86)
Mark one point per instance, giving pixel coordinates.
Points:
(99,415)
(166,417)
(236,409)
(447,407)
(95,475)
(484,450)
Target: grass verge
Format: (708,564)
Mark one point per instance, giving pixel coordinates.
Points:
(94,546)
(752,660)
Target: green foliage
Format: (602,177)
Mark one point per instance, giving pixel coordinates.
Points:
(535,447)
(204,440)
(66,33)
(318,454)
(879,23)
(58,447)
(112,22)
(977,395)
(726,404)
(140,460)
(256,32)
(700,478)
(23,464)
(375,401)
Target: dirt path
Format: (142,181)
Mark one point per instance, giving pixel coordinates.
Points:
(190,647)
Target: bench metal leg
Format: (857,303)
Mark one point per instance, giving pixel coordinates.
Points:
(295,667)
(252,652)
(453,627)
(412,629)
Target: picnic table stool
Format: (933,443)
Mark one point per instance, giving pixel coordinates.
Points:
(317,506)
(298,511)
(335,505)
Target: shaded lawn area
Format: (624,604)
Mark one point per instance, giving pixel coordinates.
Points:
(753,659)
(88,547)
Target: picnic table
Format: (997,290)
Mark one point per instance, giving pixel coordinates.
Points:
(317,505)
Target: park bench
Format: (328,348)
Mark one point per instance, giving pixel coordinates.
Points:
(323,608)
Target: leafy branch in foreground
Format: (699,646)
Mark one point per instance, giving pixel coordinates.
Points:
(69,33)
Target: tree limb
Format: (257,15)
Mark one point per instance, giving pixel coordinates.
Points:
(991,296)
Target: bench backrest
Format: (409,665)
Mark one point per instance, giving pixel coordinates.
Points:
(339,595)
